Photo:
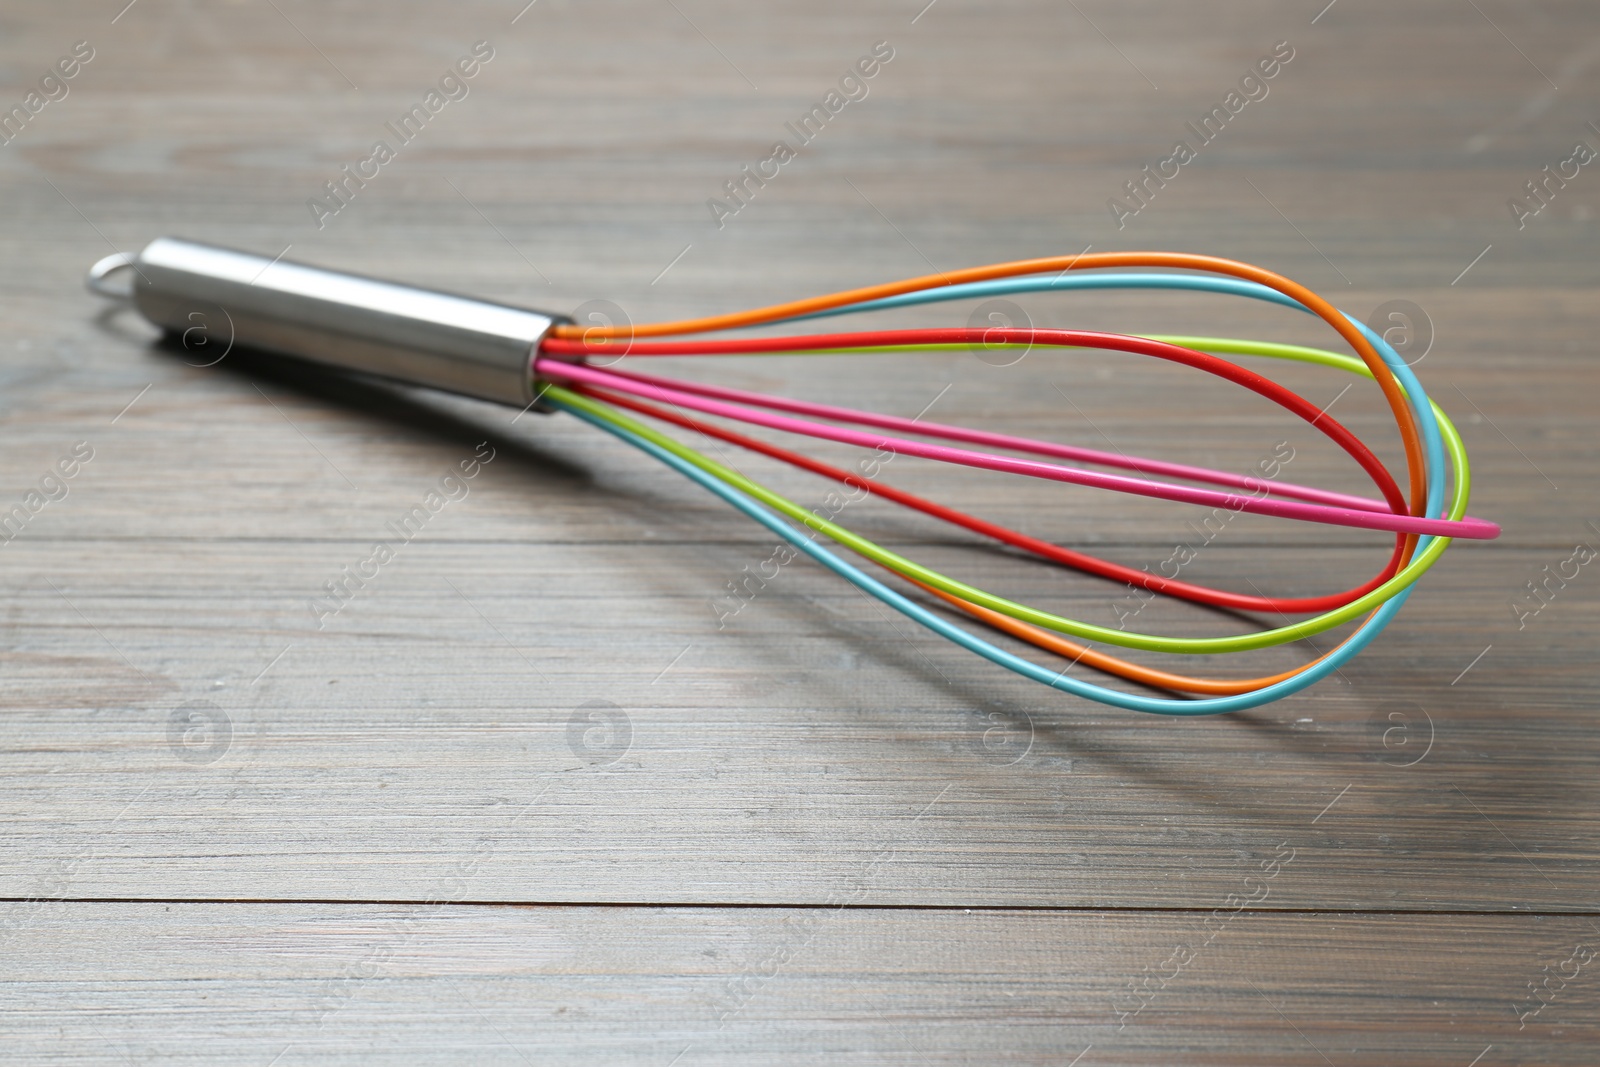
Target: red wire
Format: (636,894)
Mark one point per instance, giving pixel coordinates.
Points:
(1080,561)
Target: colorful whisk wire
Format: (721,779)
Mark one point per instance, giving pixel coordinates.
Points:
(1423,525)
(210,297)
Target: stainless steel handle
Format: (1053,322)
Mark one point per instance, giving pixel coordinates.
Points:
(215,298)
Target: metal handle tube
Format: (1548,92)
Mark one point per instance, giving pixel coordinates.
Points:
(214,298)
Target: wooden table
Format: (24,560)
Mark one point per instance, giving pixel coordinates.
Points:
(524,801)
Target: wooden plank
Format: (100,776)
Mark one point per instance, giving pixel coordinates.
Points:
(225,984)
(762,758)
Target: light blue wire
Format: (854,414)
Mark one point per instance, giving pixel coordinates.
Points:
(917,613)
(1433,445)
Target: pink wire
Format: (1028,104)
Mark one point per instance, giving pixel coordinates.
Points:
(1016,444)
(685,395)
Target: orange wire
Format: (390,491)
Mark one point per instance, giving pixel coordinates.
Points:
(1046,639)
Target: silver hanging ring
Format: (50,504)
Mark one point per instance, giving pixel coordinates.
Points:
(96,279)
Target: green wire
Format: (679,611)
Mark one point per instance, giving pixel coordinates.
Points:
(1150,642)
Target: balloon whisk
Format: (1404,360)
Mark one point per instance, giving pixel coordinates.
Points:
(532,359)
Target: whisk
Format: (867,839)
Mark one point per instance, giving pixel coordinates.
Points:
(218,297)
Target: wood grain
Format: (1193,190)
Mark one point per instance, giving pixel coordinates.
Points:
(524,799)
(384,984)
